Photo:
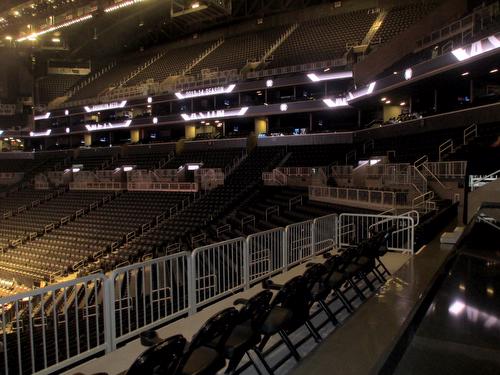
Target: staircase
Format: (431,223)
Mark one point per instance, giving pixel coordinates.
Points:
(373,30)
(142,67)
(277,44)
(200,58)
(71,92)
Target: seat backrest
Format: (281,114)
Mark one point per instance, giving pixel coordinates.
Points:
(314,277)
(256,308)
(216,330)
(294,296)
(162,358)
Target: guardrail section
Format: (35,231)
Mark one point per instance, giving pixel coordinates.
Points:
(49,328)
(147,294)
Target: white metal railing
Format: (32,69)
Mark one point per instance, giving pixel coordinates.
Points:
(424,202)
(218,270)
(476,181)
(341,170)
(354,228)
(470,133)
(447,169)
(265,253)
(299,242)
(388,171)
(343,195)
(445,148)
(84,185)
(297,200)
(147,294)
(273,210)
(276,177)
(96,313)
(325,233)
(75,312)
(163,186)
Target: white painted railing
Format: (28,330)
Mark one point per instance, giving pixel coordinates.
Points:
(350,195)
(447,169)
(96,313)
(476,182)
(86,185)
(75,311)
(470,133)
(354,228)
(163,186)
(147,294)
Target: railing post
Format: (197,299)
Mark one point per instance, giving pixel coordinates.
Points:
(313,237)
(109,314)
(246,265)
(285,250)
(191,266)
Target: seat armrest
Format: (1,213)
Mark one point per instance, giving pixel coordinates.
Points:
(269,284)
(240,301)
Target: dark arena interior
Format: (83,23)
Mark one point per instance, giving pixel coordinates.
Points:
(250,187)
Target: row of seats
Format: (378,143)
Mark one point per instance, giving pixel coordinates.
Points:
(323,39)
(79,241)
(314,40)
(35,221)
(400,18)
(54,86)
(173,62)
(236,51)
(197,215)
(226,337)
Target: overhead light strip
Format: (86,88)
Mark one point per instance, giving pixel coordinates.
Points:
(205,92)
(104,107)
(33,36)
(122,5)
(316,77)
(213,114)
(108,125)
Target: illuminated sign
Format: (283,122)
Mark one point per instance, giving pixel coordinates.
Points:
(214,114)
(103,107)
(42,117)
(330,76)
(338,102)
(362,92)
(40,134)
(205,92)
(477,48)
(408,74)
(108,125)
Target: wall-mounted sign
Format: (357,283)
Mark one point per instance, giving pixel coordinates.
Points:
(477,48)
(337,102)
(205,92)
(40,134)
(108,125)
(316,77)
(42,117)
(104,107)
(214,114)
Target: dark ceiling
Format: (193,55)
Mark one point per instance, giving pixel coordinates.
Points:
(147,23)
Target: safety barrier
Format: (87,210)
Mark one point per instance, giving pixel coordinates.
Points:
(74,312)
(354,228)
(96,313)
(447,169)
(376,198)
(147,294)
(218,270)
(163,186)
